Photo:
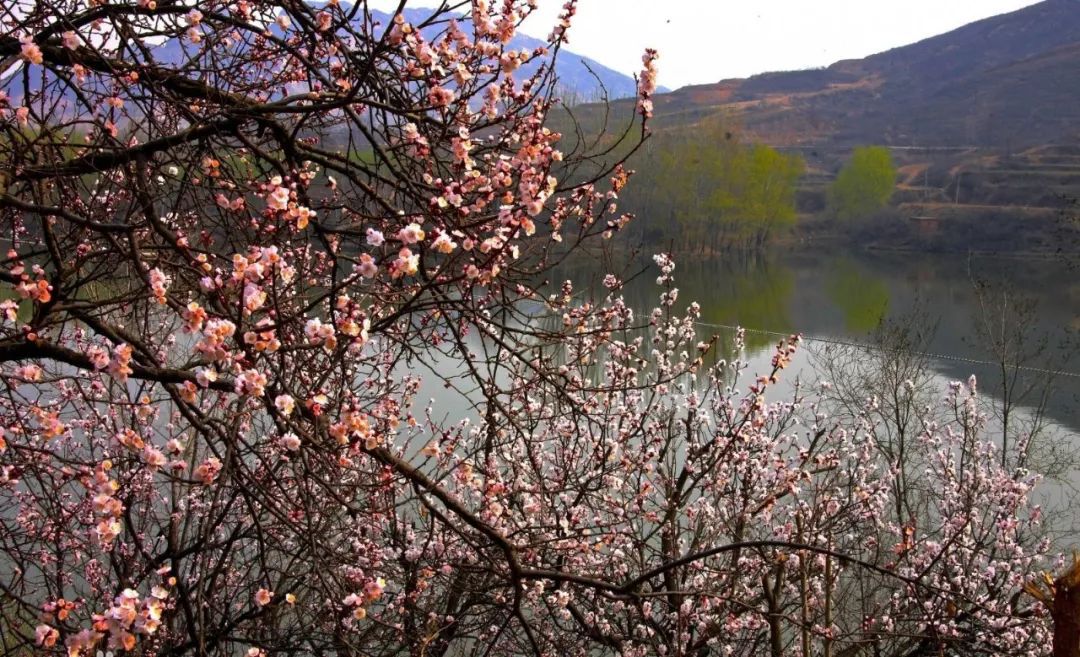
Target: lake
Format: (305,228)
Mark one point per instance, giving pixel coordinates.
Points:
(838,298)
(842,296)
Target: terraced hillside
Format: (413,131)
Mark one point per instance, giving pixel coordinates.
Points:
(983,122)
(1004,82)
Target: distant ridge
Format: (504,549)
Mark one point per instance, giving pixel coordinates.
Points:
(1008,81)
(585,78)
(580,79)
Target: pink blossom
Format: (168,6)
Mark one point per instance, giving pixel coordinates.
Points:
(443,244)
(251,382)
(254,297)
(263,597)
(119,364)
(29,372)
(285,403)
(208,470)
(159,285)
(406,264)
(647,82)
(279,198)
(411,234)
(509,62)
(153,457)
(319,333)
(367,267)
(30,51)
(290,442)
(70,40)
(301,215)
(205,376)
(46,636)
(99,357)
(373,590)
(440,96)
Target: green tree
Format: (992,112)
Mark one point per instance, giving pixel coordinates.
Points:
(865,184)
(706,190)
(767,202)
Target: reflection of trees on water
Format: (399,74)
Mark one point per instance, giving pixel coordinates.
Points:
(752,292)
(748,290)
(862,298)
(846,295)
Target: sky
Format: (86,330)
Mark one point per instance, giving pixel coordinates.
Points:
(702,41)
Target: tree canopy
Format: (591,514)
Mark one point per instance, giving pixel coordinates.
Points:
(865,183)
(250,243)
(706,189)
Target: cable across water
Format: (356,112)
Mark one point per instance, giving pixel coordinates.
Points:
(870,347)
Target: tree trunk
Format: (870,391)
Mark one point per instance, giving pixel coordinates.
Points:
(1065,610)
(1062,597)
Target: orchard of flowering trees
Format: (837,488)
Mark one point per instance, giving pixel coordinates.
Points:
(244,240)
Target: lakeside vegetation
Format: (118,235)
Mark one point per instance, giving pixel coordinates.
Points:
(705,190)
(864,184)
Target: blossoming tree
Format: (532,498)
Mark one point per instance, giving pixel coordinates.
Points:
(237,232)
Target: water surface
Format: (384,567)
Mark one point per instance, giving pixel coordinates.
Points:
(829,297)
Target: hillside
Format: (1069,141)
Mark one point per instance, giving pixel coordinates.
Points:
(580,77)
(983,123)
(1003,82)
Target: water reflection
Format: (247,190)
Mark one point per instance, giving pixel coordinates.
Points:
(844,296)
(861,297)
(837,300)
(748,292)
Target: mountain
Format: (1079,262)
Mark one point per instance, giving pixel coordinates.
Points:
(983,123)
(1007,81)
(580,78)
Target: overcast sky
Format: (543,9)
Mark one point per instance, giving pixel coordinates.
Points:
(708,40)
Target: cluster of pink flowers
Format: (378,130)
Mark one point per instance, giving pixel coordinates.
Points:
(647,83)
(39,290)
(106,506)
(208,470)
(248,414)
(251,382)
(159,285)
(373,590)
(216,334)
(407,263)
(129,615)
(30,51)
(321,334)
(120,364)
